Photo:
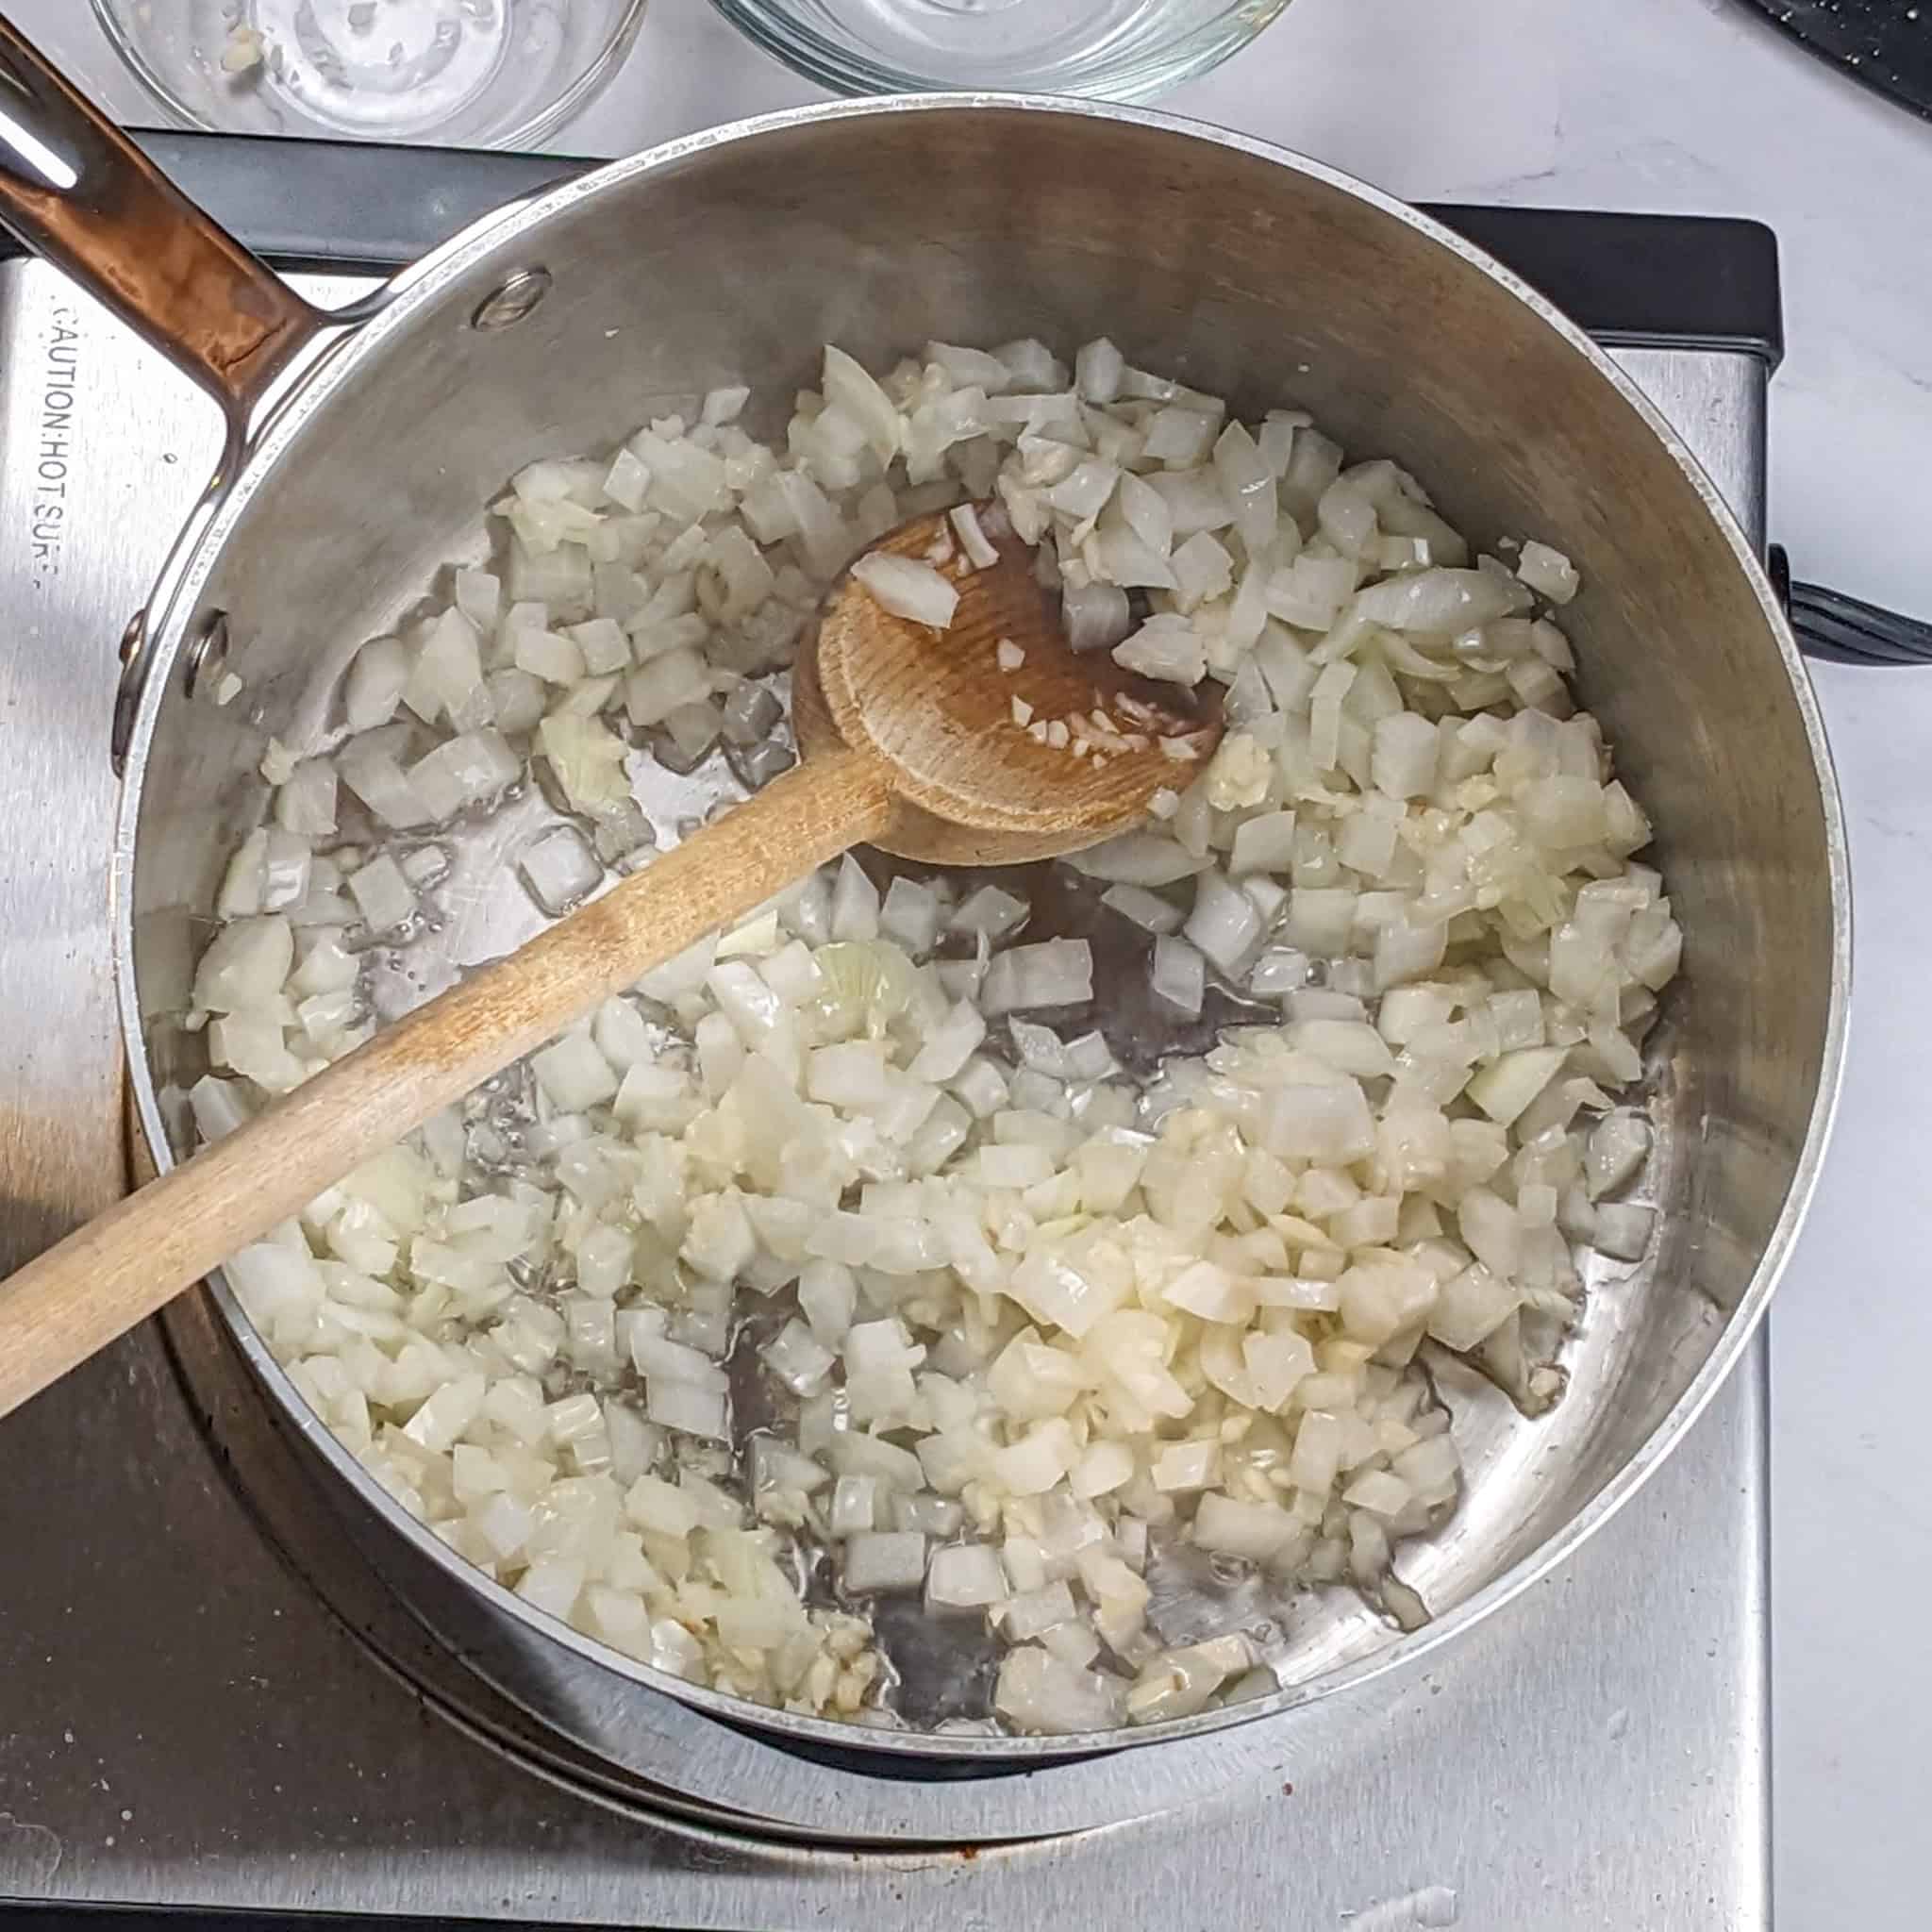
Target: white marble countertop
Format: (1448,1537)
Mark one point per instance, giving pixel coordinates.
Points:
(1692,106)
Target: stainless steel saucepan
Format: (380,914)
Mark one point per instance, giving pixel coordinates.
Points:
(361,448)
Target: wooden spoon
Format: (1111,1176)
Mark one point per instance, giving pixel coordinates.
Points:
(936,745)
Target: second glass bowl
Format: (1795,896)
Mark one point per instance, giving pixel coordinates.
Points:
(1119,50)
(465,73)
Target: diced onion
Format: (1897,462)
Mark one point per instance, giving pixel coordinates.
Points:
(1168,648)
(884,1559)
(1179,974)
(1146,909)
(1547,571)
(882,1232)
(908,588)
(1225,924)
(1056,973)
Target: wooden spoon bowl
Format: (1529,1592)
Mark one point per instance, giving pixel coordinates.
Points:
(991,765)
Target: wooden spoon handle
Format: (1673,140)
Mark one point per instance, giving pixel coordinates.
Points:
(119,1269)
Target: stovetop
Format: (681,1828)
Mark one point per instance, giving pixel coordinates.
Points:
(205,1699)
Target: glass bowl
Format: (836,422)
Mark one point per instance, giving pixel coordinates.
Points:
(1116,50)
(467,73)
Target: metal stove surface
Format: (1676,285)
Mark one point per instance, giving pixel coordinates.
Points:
(206,1701)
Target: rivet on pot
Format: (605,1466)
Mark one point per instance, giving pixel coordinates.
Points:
(512,300)
(207,658)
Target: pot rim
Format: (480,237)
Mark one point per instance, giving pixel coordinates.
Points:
(405,295)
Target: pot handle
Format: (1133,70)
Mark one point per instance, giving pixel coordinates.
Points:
(77,190)
(1844,630)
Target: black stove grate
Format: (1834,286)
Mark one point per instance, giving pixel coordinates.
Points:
(1885,43)
(1631,280)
